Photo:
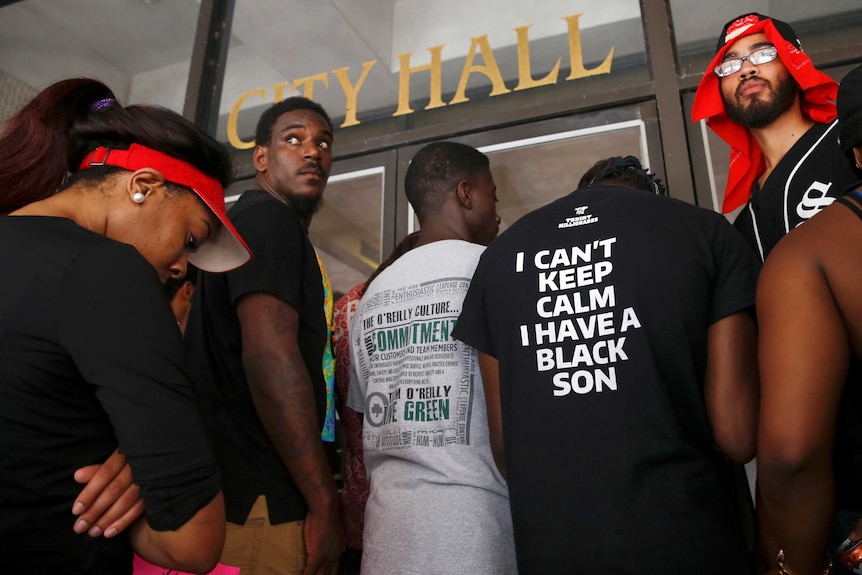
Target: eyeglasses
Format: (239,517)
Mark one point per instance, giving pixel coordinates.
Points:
(734,65)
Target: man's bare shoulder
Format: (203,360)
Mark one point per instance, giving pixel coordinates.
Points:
(825,240)
(823,255)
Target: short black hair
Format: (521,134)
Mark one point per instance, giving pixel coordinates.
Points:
(438,168)
(626,172)
(263,132)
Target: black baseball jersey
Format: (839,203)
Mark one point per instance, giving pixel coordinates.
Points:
(810,176)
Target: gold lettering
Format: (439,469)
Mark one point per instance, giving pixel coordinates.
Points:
(436,89)
(525,76)
(576,53)
(279,91)
(351,93)
(490,70)
(308,83)
(232,135)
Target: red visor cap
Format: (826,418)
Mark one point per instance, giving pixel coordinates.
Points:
(225,250)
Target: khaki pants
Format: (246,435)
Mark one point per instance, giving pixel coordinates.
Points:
(259,548)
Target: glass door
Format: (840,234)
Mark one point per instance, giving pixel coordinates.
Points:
(353,230)
(536,163)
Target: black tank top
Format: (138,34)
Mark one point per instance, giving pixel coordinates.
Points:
(857,195)
(848,432)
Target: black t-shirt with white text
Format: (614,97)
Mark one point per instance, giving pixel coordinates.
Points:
(597,308)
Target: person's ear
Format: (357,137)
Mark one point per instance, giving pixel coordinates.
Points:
(465,194)
(187,290)
(260,157)
(142,183)
(857,153)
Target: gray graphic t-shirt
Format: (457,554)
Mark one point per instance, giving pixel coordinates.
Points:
(437,503)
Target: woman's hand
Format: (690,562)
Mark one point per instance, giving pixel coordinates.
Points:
(110,502)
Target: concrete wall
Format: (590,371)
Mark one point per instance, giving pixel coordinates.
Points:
(13,95)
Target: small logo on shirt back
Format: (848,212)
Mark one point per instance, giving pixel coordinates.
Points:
(581,218)
(377,410)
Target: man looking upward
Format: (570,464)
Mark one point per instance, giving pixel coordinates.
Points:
(763,96)
(256,342)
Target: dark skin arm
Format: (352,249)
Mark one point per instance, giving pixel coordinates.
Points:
(804,356)
(283,395)
(490,369)
(732,390)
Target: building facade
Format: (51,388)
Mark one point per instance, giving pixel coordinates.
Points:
(544,89)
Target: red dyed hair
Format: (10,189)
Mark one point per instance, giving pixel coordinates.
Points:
(47,139)
(34,154)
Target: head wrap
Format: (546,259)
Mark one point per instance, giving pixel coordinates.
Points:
(817,93)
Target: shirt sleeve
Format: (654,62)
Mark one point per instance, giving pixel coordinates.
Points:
(744,225)
(118,328)
(736,271)
(472,326)
(358,383)
(279,243)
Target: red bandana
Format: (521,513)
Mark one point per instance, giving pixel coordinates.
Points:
(746,160)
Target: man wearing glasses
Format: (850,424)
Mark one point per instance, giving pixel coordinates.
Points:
(763,96)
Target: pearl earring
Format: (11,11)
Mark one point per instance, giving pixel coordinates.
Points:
(138,198)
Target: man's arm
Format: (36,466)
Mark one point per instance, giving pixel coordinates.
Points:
(283,395)
(803,364)
(490,369)
(732,388)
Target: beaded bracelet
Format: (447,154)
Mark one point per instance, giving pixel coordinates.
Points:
(783,569)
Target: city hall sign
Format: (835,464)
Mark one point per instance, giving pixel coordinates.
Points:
(488,68)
